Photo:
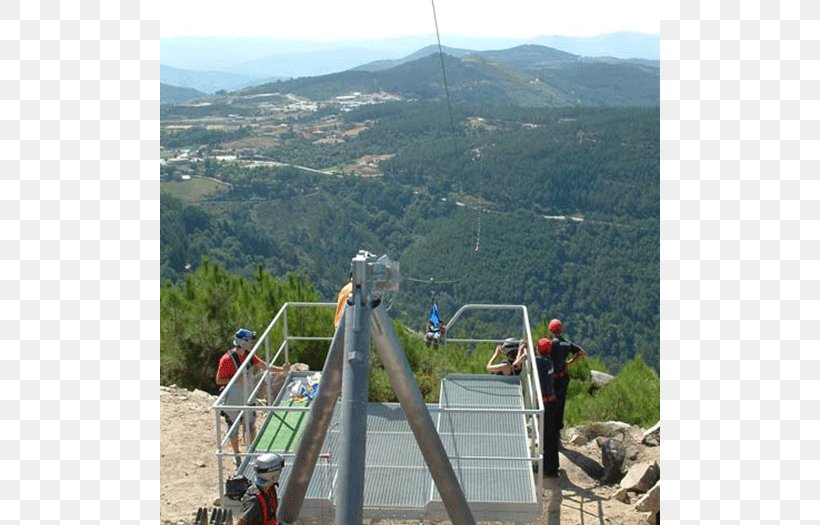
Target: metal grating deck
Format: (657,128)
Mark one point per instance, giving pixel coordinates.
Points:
(502,488)
(397,482)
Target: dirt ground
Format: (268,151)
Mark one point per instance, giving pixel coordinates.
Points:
(188,471)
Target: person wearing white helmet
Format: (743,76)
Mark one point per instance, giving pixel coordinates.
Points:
(514,351)
(229,363)
(261,500)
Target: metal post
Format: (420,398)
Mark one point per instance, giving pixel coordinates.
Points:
(245,413)
(310,446)
(268,362)
(285,335)
(427,437)
(219,454)
(350,496)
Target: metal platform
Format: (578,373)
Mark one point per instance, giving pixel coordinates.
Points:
(490,428)
(489,452)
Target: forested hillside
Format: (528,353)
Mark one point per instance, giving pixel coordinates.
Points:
(199,315)
(567,200)
(528,76)
(169,94)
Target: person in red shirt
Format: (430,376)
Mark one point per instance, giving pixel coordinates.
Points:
(229,363)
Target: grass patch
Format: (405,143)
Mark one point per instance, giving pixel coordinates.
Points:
(192,190)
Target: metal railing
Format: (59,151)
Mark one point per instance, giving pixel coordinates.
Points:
(534,404)
(533,410)
(250,392)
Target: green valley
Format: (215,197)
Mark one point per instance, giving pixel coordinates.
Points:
(296,176)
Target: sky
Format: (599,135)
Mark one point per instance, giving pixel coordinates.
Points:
(374,19)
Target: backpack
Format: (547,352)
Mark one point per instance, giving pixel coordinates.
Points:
(236,486)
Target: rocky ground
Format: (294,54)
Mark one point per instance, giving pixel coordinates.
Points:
(188,468)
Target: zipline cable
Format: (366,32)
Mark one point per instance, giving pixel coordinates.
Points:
(453,124)
(444,75)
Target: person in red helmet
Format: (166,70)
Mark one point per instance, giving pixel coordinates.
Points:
(544,366)
(561,348)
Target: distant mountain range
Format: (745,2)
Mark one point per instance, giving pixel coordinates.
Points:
(381,65)
(529,76)
(623,45)
(209,82)
(211,64)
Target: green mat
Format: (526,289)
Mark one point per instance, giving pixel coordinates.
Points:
(283,429)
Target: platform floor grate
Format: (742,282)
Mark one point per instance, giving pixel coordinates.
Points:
(398,484)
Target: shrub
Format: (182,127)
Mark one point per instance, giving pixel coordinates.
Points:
(632,397)
(199,317)
(380,387)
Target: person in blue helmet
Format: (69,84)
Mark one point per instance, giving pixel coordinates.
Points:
(261,500)
(229,363)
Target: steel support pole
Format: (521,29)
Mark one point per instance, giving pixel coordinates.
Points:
(219,456)
(313,437)
(356,367)
(427,437)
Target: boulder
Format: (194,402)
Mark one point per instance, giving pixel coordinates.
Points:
(601,428)
(627,435)
(617,426)
(600,378)
(652,437)
(634,433)
(613,454)
(577,439)
(651,502)
(621,495)
(641,477)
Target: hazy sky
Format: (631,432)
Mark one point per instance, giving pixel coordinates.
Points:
(369,19)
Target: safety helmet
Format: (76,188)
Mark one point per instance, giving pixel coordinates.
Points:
(510,346)
(544,346)
(511,342)
(268,467)
(244,337)
(556,327)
